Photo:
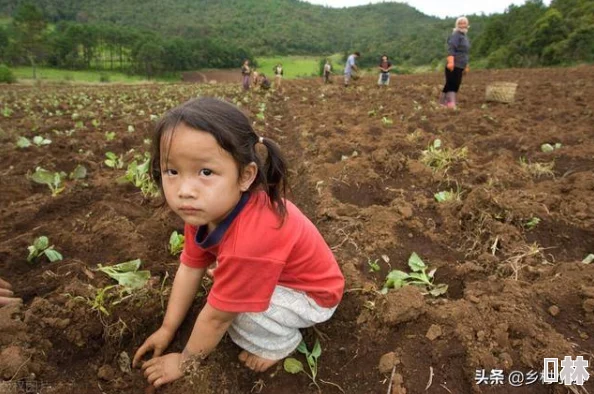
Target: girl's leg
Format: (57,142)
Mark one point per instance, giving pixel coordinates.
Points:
(270,336)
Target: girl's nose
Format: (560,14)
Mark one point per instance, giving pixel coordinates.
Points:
(186,190)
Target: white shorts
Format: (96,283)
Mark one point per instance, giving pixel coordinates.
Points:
(383,82)
(274,333)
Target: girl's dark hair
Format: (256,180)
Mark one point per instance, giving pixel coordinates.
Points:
(234,133)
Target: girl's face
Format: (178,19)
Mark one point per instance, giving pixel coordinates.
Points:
(201,181)
(463,24)
(384,58)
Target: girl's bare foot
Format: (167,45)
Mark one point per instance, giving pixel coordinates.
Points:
(255,363)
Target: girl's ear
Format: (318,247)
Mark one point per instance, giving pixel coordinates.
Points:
(247,176)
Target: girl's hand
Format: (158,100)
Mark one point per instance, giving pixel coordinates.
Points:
(161,370)
(157,342)
(6,294)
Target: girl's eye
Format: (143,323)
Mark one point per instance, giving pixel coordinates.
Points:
(205,172)
(170,172)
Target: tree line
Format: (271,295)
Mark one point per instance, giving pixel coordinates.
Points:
(153,37)
(30,40)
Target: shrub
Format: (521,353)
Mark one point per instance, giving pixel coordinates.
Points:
(6,74)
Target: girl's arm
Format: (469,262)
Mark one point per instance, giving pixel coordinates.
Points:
(210,327)
(185,286)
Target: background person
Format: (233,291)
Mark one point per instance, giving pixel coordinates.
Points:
(385,66)
(278,75)
(327,71)
(457,62)
(245,74)
(350,67)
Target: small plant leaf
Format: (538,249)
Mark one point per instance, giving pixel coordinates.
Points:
(23,142)
(437,144)
(442,196)
(53,255)
(439,290)
(546,148)
(415,262)
(41,243)
(42,176)
(127,274)
(79,172)
(292,365)
(395,279)
(589,258)
(302,348)
(317,350)
(33,252)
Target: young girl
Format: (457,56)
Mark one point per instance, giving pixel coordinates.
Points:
(274,273)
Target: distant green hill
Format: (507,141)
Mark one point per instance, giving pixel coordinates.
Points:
(265,27)
(160,36)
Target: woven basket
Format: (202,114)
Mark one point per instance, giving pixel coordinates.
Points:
(503,92)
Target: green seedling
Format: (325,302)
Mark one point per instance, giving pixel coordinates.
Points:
(176,243)
(138,175)
(537,169)
(127,274)
(114,161)
(7,112)
(373,265)
(446,196)
(79,172)
(371,113)
(40,141)
(98,303)
(53,180)
(532,223)
(130,129)
(441,159)
(23,142)
(387,121)
(294,366)
(547,148)
(96,123)
(110,135)
(588,259)
(418,277)
(260,114)
(41,247)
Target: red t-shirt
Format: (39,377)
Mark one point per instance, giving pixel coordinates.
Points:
(254,255)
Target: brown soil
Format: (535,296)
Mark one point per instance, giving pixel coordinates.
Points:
(516,294)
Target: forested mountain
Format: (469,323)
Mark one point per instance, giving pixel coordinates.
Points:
(533,35)
(266,26)
(156,36)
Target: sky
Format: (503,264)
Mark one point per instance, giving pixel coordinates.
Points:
(440,8)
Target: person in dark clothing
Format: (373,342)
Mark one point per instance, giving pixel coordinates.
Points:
(457,62)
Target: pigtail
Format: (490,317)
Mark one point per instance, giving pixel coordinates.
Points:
(274,172)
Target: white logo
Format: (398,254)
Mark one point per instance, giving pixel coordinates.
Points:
(572,371)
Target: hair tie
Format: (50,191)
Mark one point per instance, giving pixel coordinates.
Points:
(261,140)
